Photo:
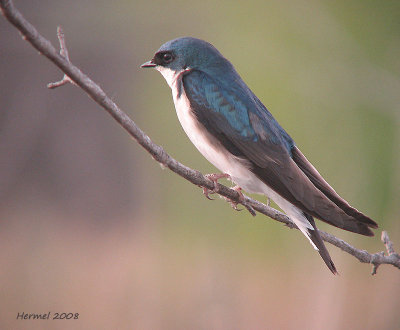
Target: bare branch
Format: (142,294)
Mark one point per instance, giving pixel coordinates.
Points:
(74,75)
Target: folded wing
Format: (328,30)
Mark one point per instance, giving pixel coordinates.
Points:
(235,116)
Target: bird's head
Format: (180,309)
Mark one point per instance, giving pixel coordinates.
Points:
(185,54)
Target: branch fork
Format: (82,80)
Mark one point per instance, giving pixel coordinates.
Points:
(63,53)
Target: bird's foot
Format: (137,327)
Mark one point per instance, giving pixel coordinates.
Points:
(214,177)
(242,200)
(234,204)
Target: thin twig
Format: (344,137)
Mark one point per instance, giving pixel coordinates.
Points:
(74,75)
(63,53)
(388,244)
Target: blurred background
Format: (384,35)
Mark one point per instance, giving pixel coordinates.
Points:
(90,224)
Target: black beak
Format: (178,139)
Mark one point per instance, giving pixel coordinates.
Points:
(148,64)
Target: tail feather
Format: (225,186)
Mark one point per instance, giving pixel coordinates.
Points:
(360,221)
(317,240)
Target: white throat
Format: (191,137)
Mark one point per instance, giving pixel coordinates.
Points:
(169,75)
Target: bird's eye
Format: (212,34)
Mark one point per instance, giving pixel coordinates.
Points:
(167,58)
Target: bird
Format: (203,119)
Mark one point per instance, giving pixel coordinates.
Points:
(235,132)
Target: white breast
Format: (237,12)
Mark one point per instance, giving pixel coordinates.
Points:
(207,144)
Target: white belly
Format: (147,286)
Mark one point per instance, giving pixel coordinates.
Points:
(207,144)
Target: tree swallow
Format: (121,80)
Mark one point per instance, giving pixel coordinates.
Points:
(230,126)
